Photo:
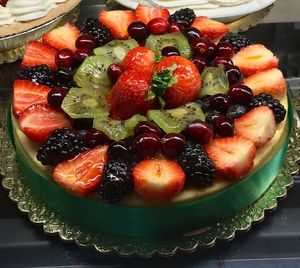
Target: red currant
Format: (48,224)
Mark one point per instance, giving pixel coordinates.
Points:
(158,26)
(233,74)
(240,94)
(192,33)
(219,103)
(200,62)
(175,27)
(56,96)
(86,41)
(225,49)
(94,138)
(114,71)
(138,31)
(204,48)
(144,127)
(224,126)
(170,51)
(221,60)
(81,54)
(65,58)
(146,145)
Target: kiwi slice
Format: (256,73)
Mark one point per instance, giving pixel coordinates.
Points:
(92,73)
(214,81)
(117,129)
(178,40)
(116,49)
(85,103)
(176,120)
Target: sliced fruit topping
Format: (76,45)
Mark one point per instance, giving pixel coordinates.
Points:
(82,174)
(176,81)
(117,129)
(62,144)
(198,167)
(214,81)
(267,100)
(116,50)
(39,120)
(62,37)
(93,74)
(211,29)
(140,59)
(85,103)
(178,40)
(145,13)
(233,157)
(258,125)
(117,21)
(269,81)
(36,54)
(255,58)
(158,180)
(129,95)
(27,93)
(176,120)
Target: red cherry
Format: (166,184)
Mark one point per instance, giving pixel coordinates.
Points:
(65,58)
(192,33)
(225,49)
(240,94)
(233,74)
(221,60)
(86,41)
(199,132)
(175,27)
(138,31)
(200,62)
(224,126)
(146,145)
(173,144)
(94,137)
(219,103)
(144,127)
(204,48)
(81,54)
(56,96)
(170,51)
(114,71)
(158,26)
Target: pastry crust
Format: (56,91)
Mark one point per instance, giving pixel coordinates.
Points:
(19,27)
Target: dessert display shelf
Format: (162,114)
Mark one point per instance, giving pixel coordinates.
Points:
(53,223)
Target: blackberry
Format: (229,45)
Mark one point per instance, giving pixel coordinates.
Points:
(99,31)
(264,99)
(61,145)
(116,181)
(184,17)
(199,168)
(237,41)
(39,74)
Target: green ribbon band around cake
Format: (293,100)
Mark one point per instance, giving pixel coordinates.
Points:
(153,221)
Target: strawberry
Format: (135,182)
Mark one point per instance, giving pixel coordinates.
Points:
(233,157)
(62,37)
(145,13)
(38,121)
(258,125)
(129,95)
(139,59)
(211,29)
(158,180)
(82,174)
(269,81)
(27,93)
(255,58)
(36,53)
(176,80)
(117,21)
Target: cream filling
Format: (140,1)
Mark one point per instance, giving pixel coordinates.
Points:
(26,10)
(263,155)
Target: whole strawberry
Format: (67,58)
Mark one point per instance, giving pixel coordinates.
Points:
(176,81)
(129,95)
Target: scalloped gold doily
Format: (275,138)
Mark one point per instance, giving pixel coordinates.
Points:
(53,223)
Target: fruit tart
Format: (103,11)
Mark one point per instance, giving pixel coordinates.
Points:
(147,123)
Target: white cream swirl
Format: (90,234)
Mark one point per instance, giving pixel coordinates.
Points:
(26,10)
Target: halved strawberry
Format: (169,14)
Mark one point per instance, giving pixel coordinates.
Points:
(255,58)
(117,21)
(62,37)
(145,13)
(140,59)
(258,125)
(158,180)
(38,121)
(233,157)
(36,53)
(27,93)
(211,29)
(82,174)
(269,81)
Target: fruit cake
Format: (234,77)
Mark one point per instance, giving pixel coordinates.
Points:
(143,123)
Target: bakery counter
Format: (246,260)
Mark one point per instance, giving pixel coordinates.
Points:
(274,242)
